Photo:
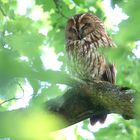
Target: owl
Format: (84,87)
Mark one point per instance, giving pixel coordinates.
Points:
(84,34)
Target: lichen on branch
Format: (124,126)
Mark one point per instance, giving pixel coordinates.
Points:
(83,100)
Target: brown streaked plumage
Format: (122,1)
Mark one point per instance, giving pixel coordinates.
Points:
(85,33)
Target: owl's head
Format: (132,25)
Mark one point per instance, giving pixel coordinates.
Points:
(81,25)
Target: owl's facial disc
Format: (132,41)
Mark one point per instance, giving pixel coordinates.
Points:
(80,26)
(83,28)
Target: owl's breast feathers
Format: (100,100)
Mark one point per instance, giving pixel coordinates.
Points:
(84,59)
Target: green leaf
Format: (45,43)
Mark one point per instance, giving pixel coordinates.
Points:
(47,4)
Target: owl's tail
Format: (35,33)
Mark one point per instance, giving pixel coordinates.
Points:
(109,73)
(95,118)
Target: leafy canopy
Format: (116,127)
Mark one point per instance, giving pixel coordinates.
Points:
(23,39)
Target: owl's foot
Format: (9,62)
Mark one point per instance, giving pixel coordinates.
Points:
(95,118)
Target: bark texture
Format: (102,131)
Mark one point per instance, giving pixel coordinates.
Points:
(84,100)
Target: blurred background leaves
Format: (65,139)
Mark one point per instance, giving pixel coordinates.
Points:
(32,44)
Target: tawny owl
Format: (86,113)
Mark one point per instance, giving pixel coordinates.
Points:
(85,33)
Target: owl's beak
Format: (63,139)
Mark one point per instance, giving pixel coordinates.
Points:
(80,34)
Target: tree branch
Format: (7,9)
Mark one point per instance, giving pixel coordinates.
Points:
(1,9)
(85,100)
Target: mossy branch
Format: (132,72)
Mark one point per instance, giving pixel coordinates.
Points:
(84,100)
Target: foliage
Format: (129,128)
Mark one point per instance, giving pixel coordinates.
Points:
(23,40)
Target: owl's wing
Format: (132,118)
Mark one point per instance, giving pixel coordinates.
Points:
(109,74)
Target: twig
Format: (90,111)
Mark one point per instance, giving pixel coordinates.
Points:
(11,99)
(2,11)
(14,98)
(21,89)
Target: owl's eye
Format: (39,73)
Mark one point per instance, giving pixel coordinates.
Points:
(86,25)
(73,30)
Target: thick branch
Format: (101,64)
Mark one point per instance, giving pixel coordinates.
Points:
(81,101)
(85,100)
